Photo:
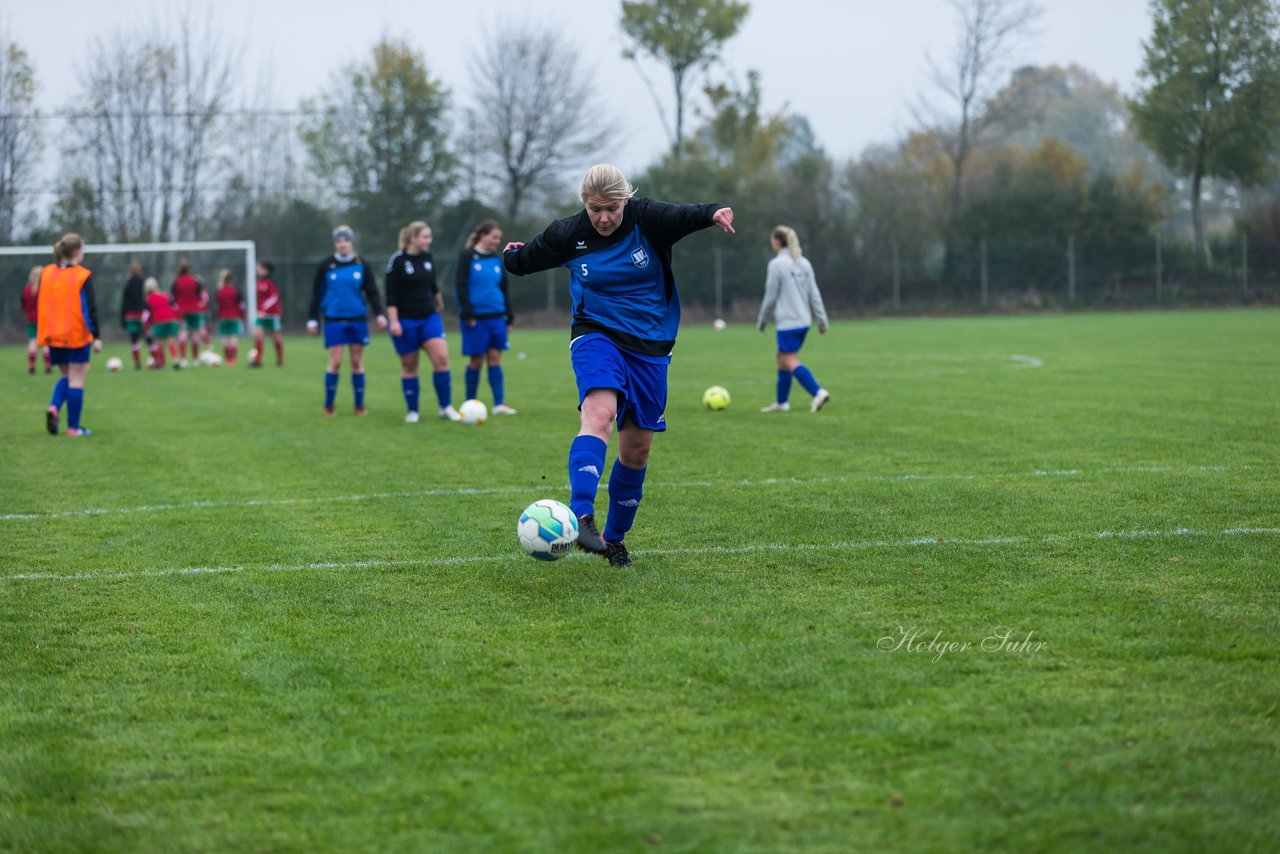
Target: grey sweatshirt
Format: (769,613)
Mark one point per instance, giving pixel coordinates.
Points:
(791,293)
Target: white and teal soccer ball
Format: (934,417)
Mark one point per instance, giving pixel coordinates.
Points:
(473,412)
(716,398)
(547,530)
(114,364)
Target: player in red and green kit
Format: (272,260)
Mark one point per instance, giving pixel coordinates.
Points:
(192,301)
(269,316)
(30,311)
(230,315)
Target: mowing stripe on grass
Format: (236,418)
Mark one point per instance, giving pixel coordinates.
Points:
(522,490)
(753,548)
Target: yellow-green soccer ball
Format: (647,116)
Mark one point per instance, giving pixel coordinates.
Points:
(716,398)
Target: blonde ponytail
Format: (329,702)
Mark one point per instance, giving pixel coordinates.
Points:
(411,231)
(787,238)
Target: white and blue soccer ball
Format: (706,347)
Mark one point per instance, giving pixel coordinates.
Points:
(547,529)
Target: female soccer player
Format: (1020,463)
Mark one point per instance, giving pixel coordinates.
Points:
(230,315)
(343,293)
(626,311)
(67,323)
(791,294)
(163,320)
(485,309)
(414,304)
(30,311)
(133,311)
(269,310)
(192,301)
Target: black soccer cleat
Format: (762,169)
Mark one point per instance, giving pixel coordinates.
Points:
(51,420)
(589,539)
(618,555)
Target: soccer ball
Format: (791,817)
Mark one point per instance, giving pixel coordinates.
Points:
(114,364)
(718,324)
(547,529)
(716,398)
(473,412)
(210,358)
(253,355)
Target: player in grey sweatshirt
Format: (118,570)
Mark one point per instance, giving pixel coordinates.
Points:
(791,294)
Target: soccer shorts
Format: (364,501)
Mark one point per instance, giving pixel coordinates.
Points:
(416,332)
(165,329)
(340,333)
(791,340)
(489,333)
(640,381)
(133,323)
(269,323)
(195,319)
(31,330)
(230,326)
(69,355)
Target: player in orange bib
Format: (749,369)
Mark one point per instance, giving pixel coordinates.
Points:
(67,323)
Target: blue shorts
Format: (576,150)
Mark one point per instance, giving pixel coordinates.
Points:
(338,333)
(415,333)
(489,333)
(641,384)
(791,340)
(69,355)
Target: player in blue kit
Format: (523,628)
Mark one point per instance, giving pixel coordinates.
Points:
(485,309)
(626,311)
(343,293)
(413,314)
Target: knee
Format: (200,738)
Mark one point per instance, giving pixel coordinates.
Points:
(495,359)
(475,362)
(634,458)
(597,420)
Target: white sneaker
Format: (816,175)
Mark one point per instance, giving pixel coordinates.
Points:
(450,414)
(777,407)
(503,409)
(820,400)
(411,418)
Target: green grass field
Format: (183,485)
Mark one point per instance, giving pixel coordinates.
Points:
(231,624)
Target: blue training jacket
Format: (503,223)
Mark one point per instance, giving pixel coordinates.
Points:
(481,286)
(344,290)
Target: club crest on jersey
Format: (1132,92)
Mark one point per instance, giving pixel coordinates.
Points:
(408,268)
(640,258)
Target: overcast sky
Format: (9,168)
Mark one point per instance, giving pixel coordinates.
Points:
(852,67)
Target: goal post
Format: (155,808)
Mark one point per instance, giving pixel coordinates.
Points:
(215,250)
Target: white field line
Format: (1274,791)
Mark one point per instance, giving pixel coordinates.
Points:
(757,548)
(524,490)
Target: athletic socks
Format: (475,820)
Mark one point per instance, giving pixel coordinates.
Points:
(626,488)
(229,353)
(357,386)
(59,394)
(497,385)
(279,352)
(784,386)
(473,382)
(411,387)
(75,404)
(135,350)
(586,462)
(31,361)
(444,387)
(805,378)
(330,389)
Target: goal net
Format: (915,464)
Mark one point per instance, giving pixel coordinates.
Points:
(110,265)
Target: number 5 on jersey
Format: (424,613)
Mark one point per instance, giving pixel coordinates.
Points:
(584,271)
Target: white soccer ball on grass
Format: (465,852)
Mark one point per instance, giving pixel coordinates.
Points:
(115,364)
(473,412)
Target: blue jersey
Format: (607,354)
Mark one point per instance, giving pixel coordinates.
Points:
(481,286)
(622,285)
(344,290)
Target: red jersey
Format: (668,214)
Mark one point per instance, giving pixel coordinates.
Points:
(189,294)
(161,309)
(30,303)
(268,298)
(230,305)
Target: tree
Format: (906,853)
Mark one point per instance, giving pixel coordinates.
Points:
(686,36)
(535,113)
(990,31)
(19,133)
(1211,72)
(379,139)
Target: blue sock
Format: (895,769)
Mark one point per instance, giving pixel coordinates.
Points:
(59,394)
(75,403)
(357,386)
(444,387)
(784,385)
(806,379)
(473,382)
(330,389)
(586,462)
(626,488)
(496,383)
(410,386)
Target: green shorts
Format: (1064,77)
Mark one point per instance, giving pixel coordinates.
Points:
(195,320)
(271,324)
(133,327)
(168,329)
(31,330)
(230,327)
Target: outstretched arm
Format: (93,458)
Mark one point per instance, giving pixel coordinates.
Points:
(544,252)
(670,223)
